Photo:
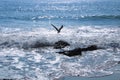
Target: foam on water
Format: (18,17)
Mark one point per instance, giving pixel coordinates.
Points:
(19,59)
(78,37)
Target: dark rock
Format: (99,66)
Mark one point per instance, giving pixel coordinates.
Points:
(7,79)
(118,62)
(90,48)
(61,44)
(36,44)
(39,44)
(78,51)
(73,52)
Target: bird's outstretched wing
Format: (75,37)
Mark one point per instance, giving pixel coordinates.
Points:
(60,28)
(55,27)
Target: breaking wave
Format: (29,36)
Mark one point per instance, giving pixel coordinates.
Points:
(30,18)
(79,37)
(44,63)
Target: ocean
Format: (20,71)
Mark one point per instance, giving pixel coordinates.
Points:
(26,23)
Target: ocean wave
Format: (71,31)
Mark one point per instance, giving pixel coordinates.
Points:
(44,63)
(100,17)
(80,37)
(79,17)
(37,18)
(103,17)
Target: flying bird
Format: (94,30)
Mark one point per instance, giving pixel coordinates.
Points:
(57,29)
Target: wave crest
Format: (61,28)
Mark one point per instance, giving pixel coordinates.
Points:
(30,18)
(81,37)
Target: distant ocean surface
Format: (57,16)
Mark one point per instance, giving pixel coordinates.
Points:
(40,13)
(27,23)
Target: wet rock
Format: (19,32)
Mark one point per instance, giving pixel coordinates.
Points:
(36,44)
(39,44)
(61,44)
(90,48)
(74,52)
(78,51)
(118,62)
(7,79)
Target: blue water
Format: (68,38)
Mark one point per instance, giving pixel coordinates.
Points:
(27,23)
(40,13)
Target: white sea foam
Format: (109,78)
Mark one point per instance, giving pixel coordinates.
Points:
(44,63)
(82,36)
